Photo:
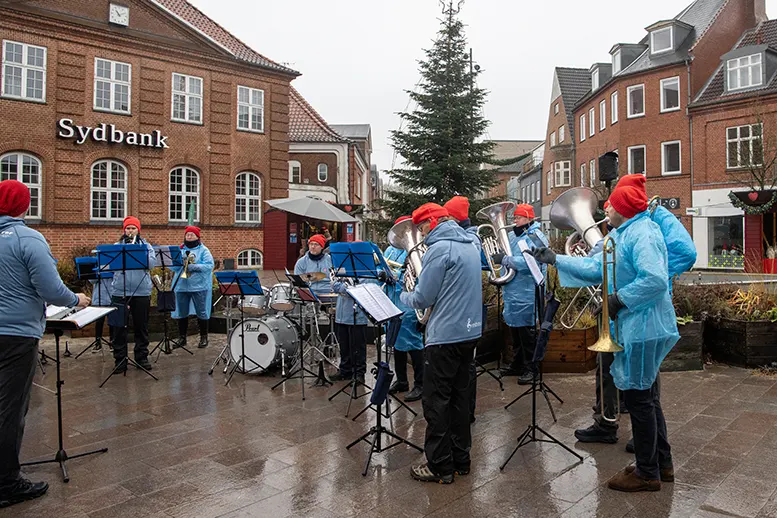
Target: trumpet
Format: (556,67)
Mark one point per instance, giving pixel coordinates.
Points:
(189,260)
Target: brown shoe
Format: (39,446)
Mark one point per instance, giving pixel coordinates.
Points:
(667,474)
(631,483)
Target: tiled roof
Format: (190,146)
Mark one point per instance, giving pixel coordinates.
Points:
(714,91)
(574,83)
(197,20)
(305,124)
(517,166)
(358,131)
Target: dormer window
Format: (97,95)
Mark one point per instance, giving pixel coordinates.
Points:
(745,72)
(595,80)
(661,40)
(616,62)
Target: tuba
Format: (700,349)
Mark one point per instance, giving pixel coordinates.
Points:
(406,236)
(499,241)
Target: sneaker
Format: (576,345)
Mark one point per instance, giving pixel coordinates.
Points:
(525,379)
(509,371)
(630,446)
(203,342)
(596,433)
(667,474)
(21,491)
(630,482)
(143,362)
(424,474)
(399,386)
(414,394)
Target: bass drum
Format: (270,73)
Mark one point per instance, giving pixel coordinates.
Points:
(266,339)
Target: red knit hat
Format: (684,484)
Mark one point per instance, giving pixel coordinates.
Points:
(317,238)
(194,230)
(458,208)
(632,180)
(14,198)
(131,220)
(400,219)
(628,201)
(429,211)
(525,210)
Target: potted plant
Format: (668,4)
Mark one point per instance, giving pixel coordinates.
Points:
(691,305)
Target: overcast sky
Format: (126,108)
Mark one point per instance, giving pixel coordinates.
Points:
(357,57)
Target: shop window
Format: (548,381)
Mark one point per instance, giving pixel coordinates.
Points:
(184,194)
(248,198)
(250,259)
(26,169)
(726,242)
(109,190)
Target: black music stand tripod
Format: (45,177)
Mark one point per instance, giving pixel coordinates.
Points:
(86,269)
(165,300)
(482,369)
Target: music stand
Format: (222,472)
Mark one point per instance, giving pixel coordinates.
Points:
(240,283)
(68,323)
(123,258)
(480,368)
(87,270)
(167,256)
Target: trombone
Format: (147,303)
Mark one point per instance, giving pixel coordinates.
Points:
(605,343)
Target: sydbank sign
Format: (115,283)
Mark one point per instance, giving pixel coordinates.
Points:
(109,134)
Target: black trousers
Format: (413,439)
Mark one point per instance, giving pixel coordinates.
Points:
(138,309)
(183,326)
(17,368)
(400,366)
(446,404)
(651,444)
(473,390)
(524,341)
(610,400)
(353,349)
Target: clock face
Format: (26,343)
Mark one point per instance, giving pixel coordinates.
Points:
(119,14)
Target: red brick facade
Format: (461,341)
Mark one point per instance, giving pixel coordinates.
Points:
(309,163)
(561,152)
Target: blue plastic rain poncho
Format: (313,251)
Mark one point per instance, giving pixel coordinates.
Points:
(133,283)
(519,294)
(199,280)
(451,283)
(646,327)
(409,338)
(307,265)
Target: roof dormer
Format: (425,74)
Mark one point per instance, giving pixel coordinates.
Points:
(624,54)
(600,74)
(748,67)
(665,36)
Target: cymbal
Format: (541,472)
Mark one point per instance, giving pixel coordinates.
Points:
(314,276)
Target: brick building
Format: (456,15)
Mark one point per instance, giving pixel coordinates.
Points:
(504,150)
(146,108)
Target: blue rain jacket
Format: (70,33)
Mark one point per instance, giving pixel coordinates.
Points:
(473,230)
(519,294)
(135,283)
(307,265)
(646,327)
(451,282)
(28,280)
(409,338)
(102,291)
(347,312)
(200,279)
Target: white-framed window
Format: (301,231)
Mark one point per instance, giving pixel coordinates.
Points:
(582,128)
(744,146)
(109,190)
(187,98)
(295,172)
(616,62)
(248,198)
(250,109)
(184,192)
(670,94)
(323,172)
(24,168)
(595,80)
(561,134)
(614,108)
(661,40)
(745,72)
(250,259)
(635,97)
(555,109)
(592,170)
(602,115)
(552,138)
(550,180)
(563,174)
(671,157)
(591,122)
(24,71)
(523,194)
(358,187)
(112,86)
(637,160)
(582,174)
(538,190)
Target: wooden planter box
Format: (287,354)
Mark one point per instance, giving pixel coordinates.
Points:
(740,342)
(568,350)
(686,355)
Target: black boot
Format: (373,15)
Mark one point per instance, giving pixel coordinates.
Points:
(143,362)
(415,394)
(597,433)
(183,326)
(203,333)
(21,491)
(399,386)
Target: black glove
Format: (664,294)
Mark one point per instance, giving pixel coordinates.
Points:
(544,255)
(385,277)
(614,304)
(497,258)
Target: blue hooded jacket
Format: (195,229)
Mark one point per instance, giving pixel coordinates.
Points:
(451,282)
(199,278)
(138,282)
(307,265)
(28,280)
(409,337)
(519,294)
(646,327)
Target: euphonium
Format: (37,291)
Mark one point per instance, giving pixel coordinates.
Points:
(499,242)
(406,236)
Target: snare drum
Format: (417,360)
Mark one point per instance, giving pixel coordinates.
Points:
(255,305)
(280,297)
(266,339)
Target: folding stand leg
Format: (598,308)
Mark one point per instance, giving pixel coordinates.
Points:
(482,369)
(167,345)
(126,362)
(219,358)
(101,341)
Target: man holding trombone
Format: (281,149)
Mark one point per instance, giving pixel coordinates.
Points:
(637,299)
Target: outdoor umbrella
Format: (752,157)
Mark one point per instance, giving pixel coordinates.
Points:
(313,208)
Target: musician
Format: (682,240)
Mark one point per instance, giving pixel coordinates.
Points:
(519,294)
(646,327)
(409,341)
(193,294)
(28,281)
(132,291)
(351,331)
(450,284)
(316,260)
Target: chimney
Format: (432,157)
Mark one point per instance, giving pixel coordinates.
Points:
(759,8)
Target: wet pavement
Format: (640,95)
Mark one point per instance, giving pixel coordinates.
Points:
(189,446)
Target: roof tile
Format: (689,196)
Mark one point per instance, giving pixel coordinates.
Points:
(305,124)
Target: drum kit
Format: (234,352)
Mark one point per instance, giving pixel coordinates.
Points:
(274,325)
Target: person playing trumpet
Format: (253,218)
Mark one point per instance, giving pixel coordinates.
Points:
(193,291)
(645,327)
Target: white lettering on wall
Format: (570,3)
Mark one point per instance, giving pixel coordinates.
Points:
(109,134)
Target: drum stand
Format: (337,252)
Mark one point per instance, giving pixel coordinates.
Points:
(243,356)
(312,342)
(223,355)
(299,368)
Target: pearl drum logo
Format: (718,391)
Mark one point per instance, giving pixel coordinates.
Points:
(109,134)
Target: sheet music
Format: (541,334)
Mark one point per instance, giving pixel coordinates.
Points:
(531,263)
(372,299)
(57,312)
(79,318)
